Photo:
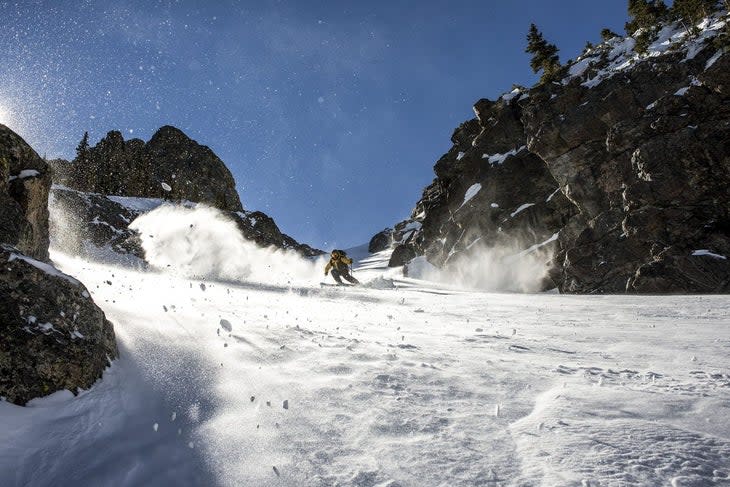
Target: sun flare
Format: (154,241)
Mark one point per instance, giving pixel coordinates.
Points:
(4,115)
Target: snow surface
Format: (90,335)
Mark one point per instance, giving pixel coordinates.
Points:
(270,380)
(621,54)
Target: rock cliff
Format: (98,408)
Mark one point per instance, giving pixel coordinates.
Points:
(619,173)
(52,335)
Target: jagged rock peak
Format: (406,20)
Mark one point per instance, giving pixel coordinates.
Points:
(171,166)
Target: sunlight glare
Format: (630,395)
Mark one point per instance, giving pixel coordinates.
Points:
(4,115)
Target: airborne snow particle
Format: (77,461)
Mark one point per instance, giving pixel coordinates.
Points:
(155,426)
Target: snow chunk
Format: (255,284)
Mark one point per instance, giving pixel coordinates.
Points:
(509,96)
(494,205)
(459,156)
(713,59)
(25,173)
(166,186)
(553,194)
(681,91)
(226,325)
(470,193)
(500,158)
(47,328)
(522,208)
(706,252)
(76,334)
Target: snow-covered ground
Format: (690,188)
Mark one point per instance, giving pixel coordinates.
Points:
(396,383)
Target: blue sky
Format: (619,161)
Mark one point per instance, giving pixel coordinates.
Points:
(330,114)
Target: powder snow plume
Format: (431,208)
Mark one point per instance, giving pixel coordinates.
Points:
(506,268)
(202,242)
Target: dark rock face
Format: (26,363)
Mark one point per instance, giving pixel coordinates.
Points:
(381,241)
(645,157)
(82,223)
(170,166)
(401,255)
(622,174)
(261,228)
(24,184)
(52,335)
(490,191)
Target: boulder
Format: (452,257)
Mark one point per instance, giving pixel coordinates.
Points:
(381,241)
(52,335)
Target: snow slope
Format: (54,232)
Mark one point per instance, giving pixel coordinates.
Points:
(265,382)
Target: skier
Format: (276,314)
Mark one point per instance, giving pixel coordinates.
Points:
(339,263)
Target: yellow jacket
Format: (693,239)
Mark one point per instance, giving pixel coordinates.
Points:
(337,263)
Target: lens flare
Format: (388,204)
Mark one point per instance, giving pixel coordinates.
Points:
(4,115)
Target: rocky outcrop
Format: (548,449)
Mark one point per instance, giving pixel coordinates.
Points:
(52,335)
(261,228)
(24,184)
(644,155)
(490,192)
(381,241)
(87,224)
(91,225)
(170,166)
(620,173)
(105,188)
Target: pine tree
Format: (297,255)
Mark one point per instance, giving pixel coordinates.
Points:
(82,174)
(82,150)
(544,55)
(645,14)
(607,34)
(690,12)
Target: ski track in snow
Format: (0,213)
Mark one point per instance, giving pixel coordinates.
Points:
(419,385)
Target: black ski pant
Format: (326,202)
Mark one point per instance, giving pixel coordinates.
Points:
(345,272)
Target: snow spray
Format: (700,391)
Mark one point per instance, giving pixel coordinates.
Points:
(202,242)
